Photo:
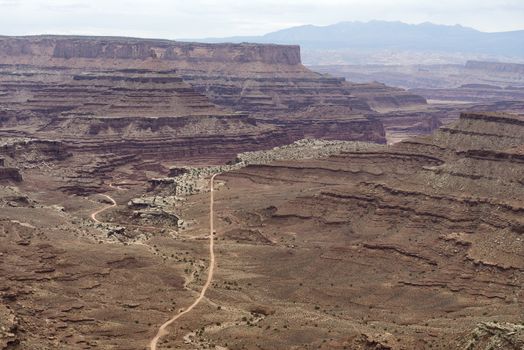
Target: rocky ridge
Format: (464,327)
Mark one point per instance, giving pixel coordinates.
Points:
(191,180)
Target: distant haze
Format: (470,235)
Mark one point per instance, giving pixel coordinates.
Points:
(172,19)
(383,42)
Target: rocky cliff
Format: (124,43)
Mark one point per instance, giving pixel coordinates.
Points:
(74,51)
(172,99)
(248,77)
(157,108)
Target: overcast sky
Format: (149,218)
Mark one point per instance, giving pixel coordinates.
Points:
(172,19)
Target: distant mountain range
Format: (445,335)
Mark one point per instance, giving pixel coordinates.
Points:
(395,36)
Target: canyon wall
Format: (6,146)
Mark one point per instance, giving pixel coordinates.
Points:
(173,98)
(81,51)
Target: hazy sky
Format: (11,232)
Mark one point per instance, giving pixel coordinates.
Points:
(173,19)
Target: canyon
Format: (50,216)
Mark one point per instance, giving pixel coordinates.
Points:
(346,215)
(267,82)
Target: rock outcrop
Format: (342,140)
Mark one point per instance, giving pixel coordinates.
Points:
(8,328)
(494,335)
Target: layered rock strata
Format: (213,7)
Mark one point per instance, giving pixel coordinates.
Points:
(435,218)
(158,104)
(267,81)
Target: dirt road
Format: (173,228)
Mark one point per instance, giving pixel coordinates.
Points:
(162,330)
(94,214)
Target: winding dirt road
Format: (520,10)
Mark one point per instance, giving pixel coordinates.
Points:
(162,330)
(94,214)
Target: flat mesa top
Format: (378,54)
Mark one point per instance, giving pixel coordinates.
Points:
(134,40)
